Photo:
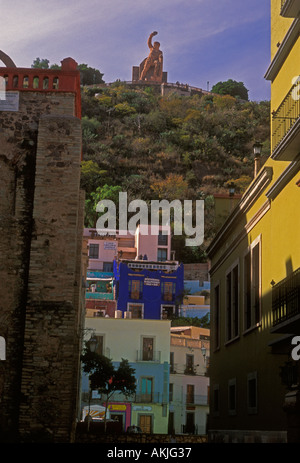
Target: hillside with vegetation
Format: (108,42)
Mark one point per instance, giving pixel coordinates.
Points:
(168,147)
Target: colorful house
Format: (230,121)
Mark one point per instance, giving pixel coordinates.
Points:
(148,289)
(146,346)
(189,383)
(255,260)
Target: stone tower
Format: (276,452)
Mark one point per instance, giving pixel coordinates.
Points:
(42,265)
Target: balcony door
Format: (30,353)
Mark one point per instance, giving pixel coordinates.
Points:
(146,389)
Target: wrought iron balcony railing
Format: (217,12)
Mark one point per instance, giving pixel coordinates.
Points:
(290,8)
(148,356)
(287,114)
(196,399)
(286,298)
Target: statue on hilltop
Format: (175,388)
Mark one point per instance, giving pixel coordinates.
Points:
(151,68)
(153,65)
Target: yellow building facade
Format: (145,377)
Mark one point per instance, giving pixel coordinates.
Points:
(255,276)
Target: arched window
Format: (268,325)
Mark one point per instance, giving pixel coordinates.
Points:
(25,82)
(46,83)
(2,349)
(55,83)
(36,81)
(15,81)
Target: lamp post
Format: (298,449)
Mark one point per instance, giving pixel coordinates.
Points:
(257,152)
(92,346)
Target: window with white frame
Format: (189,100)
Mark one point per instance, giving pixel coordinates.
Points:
(232,302)
(136,310)
(252,285)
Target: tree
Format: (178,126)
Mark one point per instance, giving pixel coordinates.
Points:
(90,76)
(203,322)
(107,379)
(44,64)
(231,87)
(40,63)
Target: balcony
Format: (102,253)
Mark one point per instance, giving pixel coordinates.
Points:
(286,304)
(286,126)
(196,399)
(290,8)
(154,397)
(148,356)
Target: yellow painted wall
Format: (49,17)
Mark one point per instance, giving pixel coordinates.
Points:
(279,26)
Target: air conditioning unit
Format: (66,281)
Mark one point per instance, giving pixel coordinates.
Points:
(127,314)
(118,313)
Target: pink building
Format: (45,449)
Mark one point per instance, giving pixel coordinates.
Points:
(104,248)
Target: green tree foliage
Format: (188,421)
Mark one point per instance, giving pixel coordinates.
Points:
(173,146)
(107,379)
(43,64)
(88,75)
(203,322)
(231,87)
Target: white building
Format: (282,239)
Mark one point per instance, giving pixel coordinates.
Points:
(189,385)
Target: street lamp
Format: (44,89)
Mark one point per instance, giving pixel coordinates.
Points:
(257,152)
(92,344)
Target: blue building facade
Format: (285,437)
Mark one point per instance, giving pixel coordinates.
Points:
(149,290)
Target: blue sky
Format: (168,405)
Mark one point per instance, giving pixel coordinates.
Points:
(203,41)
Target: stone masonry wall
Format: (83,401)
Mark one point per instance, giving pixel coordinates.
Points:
(41,225)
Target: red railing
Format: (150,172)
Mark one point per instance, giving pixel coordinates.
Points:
(66,79)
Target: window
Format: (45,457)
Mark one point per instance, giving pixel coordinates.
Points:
(100,342)
(171,390)
(136,310)
(172,362)
(232,396)
(190,397)
(162,239)
(216,400)
(189,367)
(168,290)
(46,83)
(94,251)
(161,255)
(216,316)
(15,81)
(55,83)
(25,82)
(252,392)
(148,344)
(146,389)
(252,282)
(232,303)
(167,312)
(36,82)
(135,288)
(108,267)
